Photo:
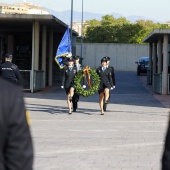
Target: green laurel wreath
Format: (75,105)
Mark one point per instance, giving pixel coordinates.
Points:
(95,83)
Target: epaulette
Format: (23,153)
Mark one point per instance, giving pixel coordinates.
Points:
(14,66)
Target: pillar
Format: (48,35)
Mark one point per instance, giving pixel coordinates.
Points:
(36,49)
(35,52)
(50,58)
(44,46)
(150,75)
(160,55)
(165,66)
(154,57)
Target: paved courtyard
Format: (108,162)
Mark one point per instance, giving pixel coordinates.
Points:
(130,136)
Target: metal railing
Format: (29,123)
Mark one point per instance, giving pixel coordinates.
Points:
(38,80)
(26,79)
(157,83)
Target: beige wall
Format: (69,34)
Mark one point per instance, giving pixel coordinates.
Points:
(123,56)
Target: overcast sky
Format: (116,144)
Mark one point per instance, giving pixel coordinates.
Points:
(154,9)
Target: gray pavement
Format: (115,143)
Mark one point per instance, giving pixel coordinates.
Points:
(130,136)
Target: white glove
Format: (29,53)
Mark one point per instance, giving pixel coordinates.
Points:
(62,87)
(112,88)
(84,86)
(69,55)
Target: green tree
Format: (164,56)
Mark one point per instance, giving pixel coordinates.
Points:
(112,30)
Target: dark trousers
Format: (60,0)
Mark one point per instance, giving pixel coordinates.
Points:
(75,99)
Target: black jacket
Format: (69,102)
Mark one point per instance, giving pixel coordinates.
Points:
(0,69)
(113,74)
(105,77)
(166,153)
(16,150)
(11,72)
(68,77)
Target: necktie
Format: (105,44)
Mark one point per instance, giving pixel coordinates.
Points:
(104,68)
(70,68)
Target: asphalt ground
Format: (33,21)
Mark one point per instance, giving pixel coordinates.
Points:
(129,136)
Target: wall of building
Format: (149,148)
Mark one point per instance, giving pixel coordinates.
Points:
(21,8)
(123,56)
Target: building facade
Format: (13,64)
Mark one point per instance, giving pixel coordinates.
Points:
(21,8)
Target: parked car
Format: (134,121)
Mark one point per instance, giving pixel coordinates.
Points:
(142,65)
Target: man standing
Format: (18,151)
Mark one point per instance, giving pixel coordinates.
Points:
(16,149)
(10,71)
(78,67)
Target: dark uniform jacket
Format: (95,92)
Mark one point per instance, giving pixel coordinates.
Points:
(113,74)
(0,69)
(68,77)
(76,97)
(166,153)
(11,72)
(105,77)
(16,150)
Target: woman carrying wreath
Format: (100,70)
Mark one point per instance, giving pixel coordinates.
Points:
(106,83)
(78,67)
(69,73)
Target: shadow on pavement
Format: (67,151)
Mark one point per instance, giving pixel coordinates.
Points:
(130,90)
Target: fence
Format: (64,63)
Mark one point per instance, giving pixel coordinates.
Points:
(38,80)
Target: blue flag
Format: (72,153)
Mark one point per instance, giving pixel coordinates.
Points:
(64,49)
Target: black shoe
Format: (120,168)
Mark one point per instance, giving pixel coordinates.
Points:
(70,113)
(74,110)
(102,113)
(70,98)
(104,106)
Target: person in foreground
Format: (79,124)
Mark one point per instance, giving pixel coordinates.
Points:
(10,71)
(166,152)
(69,73)
(16,149)
(106,83)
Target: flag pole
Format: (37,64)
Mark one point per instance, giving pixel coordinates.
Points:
(71,20)
(82,34)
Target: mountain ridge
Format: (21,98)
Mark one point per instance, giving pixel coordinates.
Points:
(77,16)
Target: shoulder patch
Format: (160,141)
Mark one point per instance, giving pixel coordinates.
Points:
(13,66)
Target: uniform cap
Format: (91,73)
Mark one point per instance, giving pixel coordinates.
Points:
(76,57)
(8,56)
(107,58)
(69,55)
(103,60)
(70,59)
